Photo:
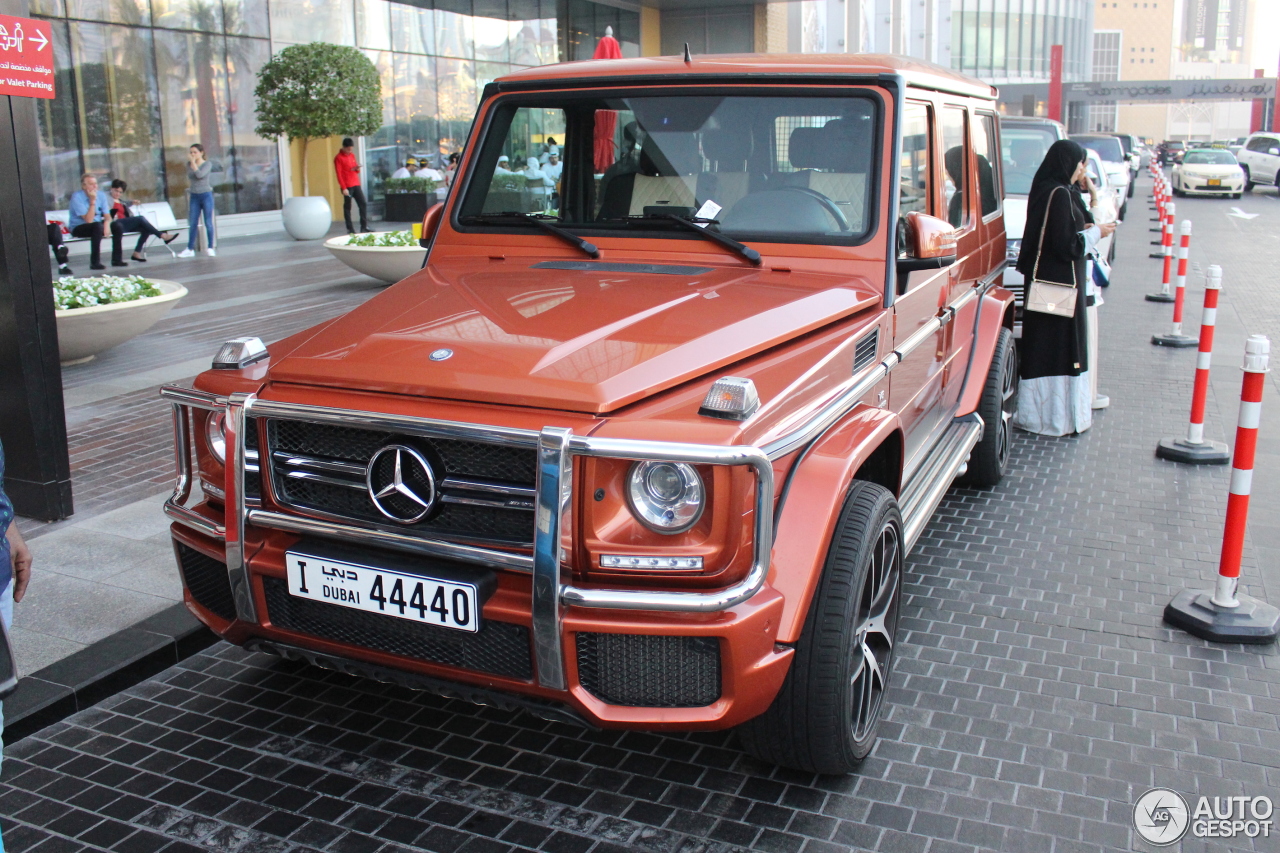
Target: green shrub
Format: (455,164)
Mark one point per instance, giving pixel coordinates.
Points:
(410,185)
(504,182)
(104,290)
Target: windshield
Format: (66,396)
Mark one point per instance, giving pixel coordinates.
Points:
(1108,147)
(1126,142)
(1209,158)
(768,168)
(1023,149)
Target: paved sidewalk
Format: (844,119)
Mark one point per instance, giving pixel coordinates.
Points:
(1038,694)
(111,564)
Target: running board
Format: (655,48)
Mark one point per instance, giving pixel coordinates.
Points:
(932,480)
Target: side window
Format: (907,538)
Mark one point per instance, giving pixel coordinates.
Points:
(985,146)
(1258,143)
(915,190)
(955,160)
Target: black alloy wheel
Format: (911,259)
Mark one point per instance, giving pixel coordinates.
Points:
(1248,184)
(825,717)
(989,459)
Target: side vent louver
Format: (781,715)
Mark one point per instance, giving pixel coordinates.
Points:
(865,350)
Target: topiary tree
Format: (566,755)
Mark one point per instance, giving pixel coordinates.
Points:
(311,91)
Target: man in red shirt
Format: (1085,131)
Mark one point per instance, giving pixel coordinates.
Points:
(349,179)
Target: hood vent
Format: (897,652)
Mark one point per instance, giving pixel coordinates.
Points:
(865,350)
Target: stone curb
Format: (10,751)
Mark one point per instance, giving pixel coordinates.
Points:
(103,669)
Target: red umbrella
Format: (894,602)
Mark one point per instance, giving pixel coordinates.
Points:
(606,120)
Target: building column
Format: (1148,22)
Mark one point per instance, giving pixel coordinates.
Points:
(33,424)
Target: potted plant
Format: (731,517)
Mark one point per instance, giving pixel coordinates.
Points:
(314,91)
(96,314)
(507,191)
(408,198)
(387,255)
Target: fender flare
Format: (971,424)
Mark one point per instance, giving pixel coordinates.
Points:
(995,311)
(819,481)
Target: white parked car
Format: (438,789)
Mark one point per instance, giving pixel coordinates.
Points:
(1260,159)
(1208,171)
(1113,160)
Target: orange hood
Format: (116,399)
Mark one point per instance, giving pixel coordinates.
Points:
(588,340)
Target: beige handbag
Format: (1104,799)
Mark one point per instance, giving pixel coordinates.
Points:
(1049,297)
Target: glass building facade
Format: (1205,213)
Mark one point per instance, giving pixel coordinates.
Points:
(138,81)
(1007,41)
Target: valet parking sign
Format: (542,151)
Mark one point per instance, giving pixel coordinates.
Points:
(26,57)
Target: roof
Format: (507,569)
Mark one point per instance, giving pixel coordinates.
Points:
(751,67)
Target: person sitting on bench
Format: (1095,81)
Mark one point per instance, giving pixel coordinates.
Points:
(123,216)
(59,251)
(90,210)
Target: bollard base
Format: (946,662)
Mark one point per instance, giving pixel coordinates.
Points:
(1205,453)
(1253,621)
(1172,340)
(1160,297)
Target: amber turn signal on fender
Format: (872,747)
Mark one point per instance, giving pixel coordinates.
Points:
(731,397)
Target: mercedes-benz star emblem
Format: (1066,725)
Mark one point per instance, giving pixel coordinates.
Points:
(441,354)
(400,483)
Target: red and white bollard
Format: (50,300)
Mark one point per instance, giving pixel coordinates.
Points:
(1194,448)
(1225,615)
(1164,294)
(1175,337)
(1166,234)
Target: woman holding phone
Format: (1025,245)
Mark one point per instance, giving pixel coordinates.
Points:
(199,201)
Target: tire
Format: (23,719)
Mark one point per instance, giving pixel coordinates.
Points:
(1111,250)
(1235,195)
(1132,180)
(1248,184)
(1124,209)
(824,719)
(989,459)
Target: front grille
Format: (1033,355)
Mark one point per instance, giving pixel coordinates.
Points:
(499,648)
(460,513)
(649,671)
(206,579)
(252,479)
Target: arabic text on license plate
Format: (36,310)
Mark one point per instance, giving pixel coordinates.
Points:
(1215,182)
(444,604)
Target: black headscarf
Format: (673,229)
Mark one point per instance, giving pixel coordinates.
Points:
(1055,171)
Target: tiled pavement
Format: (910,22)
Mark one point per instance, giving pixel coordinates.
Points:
(1037,694)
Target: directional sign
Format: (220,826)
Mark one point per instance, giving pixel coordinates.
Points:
(26,57)
(1240,214)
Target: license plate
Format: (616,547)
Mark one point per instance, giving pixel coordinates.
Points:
(444,604)
(1215,182)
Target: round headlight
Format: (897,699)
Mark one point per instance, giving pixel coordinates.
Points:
(215,434)
(666,497)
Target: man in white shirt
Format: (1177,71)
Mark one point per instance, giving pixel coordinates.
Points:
(408,170)
(504,165)
(554,168)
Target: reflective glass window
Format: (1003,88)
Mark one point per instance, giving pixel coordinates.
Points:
(453,28)
(955,164)
(118,123)
(51,8)
(60,166)
(304,21)
(199,15)
(412,29)
(134,12)
(256,160)
(373,23)
(245,17)
(915,191)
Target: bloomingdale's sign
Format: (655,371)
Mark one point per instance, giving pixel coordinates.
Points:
(1245,89)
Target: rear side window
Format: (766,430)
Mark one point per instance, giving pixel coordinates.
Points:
(1262,143)
(988,153)
(955,161)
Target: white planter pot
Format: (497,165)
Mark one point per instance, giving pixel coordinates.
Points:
(387,263)
(85,332)
(307,217)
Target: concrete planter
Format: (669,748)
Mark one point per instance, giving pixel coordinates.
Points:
(307,217)
(386,263)
(85,332)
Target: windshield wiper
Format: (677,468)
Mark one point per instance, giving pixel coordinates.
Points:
(695,225)
(540,221)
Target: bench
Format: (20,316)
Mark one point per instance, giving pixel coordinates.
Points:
(158,213)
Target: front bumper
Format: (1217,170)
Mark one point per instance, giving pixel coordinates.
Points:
(1200,186)
(233,568)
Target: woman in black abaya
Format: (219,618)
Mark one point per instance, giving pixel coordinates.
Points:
(1054,397)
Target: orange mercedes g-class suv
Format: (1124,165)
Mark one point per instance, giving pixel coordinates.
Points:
(644,443)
